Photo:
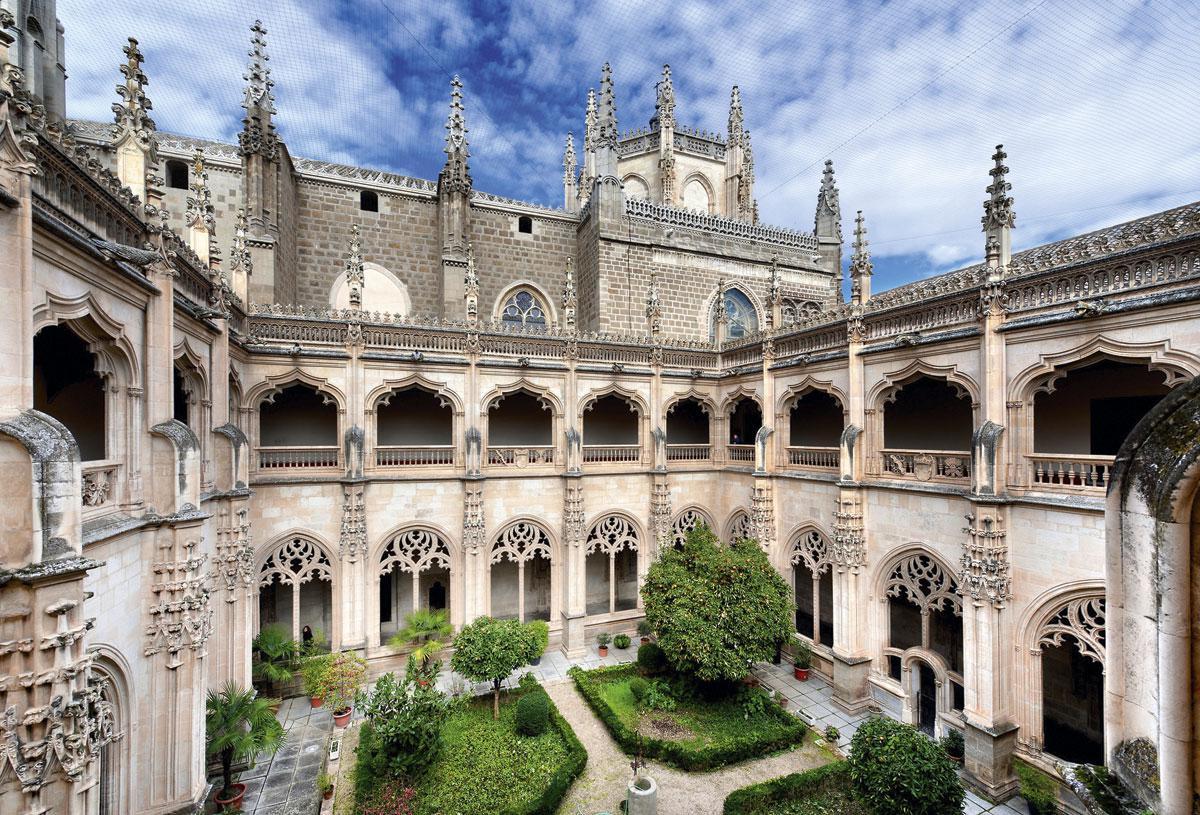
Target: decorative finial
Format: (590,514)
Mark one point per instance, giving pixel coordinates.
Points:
(654,305)
(721,313)
(998,209)
(664,103)
(736,118)
(471,286)
(860,262)
(354,269)
(569,160)
(199,212)
(258,135)
(829,208)
(456,170)
(133,115)
(591,135)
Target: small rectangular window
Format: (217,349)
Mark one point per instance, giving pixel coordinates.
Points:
(368,201)
(525,224)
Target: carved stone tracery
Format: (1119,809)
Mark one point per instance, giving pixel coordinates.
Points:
(415,551)
(180,615)
(812,549)
(1081,619)
(612,534)
(684,523)
(294,562)
(920,580)
(519,542)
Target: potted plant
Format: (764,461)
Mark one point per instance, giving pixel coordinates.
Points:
(239,724)
(275,656)
(622,641)
(954,745)
(312,672)
(644,630)
(540,630)
(425,631)
(343,676)
(803,660)
(781,700)
(832,735)
(325,785)
(603,639)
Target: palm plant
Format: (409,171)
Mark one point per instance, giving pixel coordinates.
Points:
(277,653)
(240,724)
(425,631)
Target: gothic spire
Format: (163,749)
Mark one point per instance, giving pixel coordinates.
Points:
(608,109)
(664,103)
(860,263)
(456,172)
(258,129)
(829,209)
(354,269)
(591,121)
(569,160)
(133,112)
(736,119)
(997,210)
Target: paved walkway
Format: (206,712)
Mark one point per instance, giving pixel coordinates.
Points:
(286,783)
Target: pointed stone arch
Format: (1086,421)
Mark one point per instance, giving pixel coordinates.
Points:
(612,563)
(738,394)
(542,393)
(1176,366)
(637,402)
(708,314)
(706,401)
(807,385)
(105,336)
(702,180)
(428,555)
(523,542)
(890,383)
(294,560)
(270,387)
(382,392)
(686,520)
(738,525)
(808,565)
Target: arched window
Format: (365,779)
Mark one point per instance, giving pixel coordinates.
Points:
(524,309)
(368,201)
(425,558)
(740,315)
(413,426)
(927,425)
(67,386)
(1071,646)
(298,427)
(684,523)
(296,587)
(611,430)
(611,566)
(739,526)
(177,174)
(812,577)
(745,420)
(635,188)
(696,197)
(520,429)
(688,431)
(525,225)
(520,573)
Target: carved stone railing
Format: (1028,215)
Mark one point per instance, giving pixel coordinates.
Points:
(414,456)
(815,458)
(99,485)
(297,458)
(520,456)
(689,452)
(924,465)
(740,452)
(943,314)
(611,453)
(1070,473)
(1105,281)
(704,222)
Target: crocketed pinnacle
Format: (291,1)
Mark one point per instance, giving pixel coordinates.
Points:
(354,268)
(860,262)
(664,103)
(998,208)
(133,112)
(258,73)
(591,121)
(568,293)
(457,152)
(737,120)
(569,159)
(608,109)
(829,209)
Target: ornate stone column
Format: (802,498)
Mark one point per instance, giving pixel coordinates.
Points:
(356,629)
(475,564)
(574,615)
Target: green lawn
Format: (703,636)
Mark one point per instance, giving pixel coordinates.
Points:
(486,767)
(824,791)
(698,734)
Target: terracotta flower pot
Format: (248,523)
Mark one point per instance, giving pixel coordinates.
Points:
(783,702)
(342,718)
(234,801)
(316,701)
(603,650)
(327,794)
(801,673)
(645,640)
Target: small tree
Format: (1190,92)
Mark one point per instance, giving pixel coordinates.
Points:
(407,718)
(425,631)
(715,608)
(239,725)
(341,679)
(896,769)
(488,650)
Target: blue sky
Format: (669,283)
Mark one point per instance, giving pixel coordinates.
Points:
(1095,100)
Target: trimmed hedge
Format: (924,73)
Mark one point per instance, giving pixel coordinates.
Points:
(561,781)
(674,753)
(533,713)
(748,800)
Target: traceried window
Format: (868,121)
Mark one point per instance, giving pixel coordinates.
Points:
(524,310)
(741,316)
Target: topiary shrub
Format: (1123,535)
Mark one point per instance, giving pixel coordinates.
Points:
(637,686)
(897,770)
(533,713)
(651,660)
(1038,789)
(621,641)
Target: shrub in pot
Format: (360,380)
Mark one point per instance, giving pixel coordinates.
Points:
(803,660)
(275,655)
(540,631)
(954,745)
(312,673)
(622,641)
(603,639)
(832,735)
(644,630)
(239,724)
(343,676)
(325,785)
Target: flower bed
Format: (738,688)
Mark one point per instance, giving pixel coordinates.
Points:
(823,791)
(698,734)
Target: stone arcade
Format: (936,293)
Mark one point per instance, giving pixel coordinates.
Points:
(384,393)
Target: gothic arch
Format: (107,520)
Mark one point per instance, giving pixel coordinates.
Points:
(738,526)
(380,552)
(386,389)
(193,360)
(1043,375)
(116,356)
(810,544)
(269,388)
(615,539)
(929,581)
(708,312)
(520,542)
(638,402)
(706,184)
(890,383)
(637,178)
(705,400)
(116,758)
(399,302)
(546,301)
(807,385)
(415,549)
(741,392)
(686,520)
(276,561)
(545,395)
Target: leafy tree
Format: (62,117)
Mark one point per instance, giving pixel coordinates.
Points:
(425,630)
(239,724)
(716,608)
(896,769)
(407,717)
(488,650)
(341,679)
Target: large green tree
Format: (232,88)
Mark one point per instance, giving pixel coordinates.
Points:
(896,769)
(488,650)
(717,608)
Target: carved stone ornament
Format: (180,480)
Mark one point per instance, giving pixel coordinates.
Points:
(985,574)
(180,616)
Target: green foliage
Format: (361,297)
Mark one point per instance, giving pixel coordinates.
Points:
(275,654)
(1039,790)
(717,608)
(823,791)
(528,681)
(239,725)
(622,641)
(324,783)
(603,639)
(540,629)
(832,734)
(644,628)
(425,631)
(488,650)
(638,686)
(754,701)
(340,680)
(953,743)
(651,659)
(312,672)
(804,654)
(533,713)
(897,770)
(722,732)
(658,696)
(406,718)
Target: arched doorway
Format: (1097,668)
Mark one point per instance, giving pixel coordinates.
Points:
(1071,649)
(296,587)
(925,687)
(812,579)
(414,573)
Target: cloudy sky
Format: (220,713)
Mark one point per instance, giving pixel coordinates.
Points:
(1096,101)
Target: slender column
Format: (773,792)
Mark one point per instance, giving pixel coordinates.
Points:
(575,553)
